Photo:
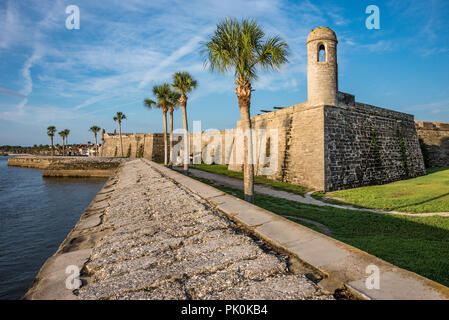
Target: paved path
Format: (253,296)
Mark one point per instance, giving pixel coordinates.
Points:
(167,243)
(308,199)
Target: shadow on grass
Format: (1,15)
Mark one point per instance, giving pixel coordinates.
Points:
(422,202)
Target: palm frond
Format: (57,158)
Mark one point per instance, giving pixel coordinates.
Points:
(173,99)
(95,129)
(51,131)
(183,82)
(148,103)
(162,94)
(240,46)
(119,116)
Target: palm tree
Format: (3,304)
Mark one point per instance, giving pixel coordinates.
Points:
(184,83)
(66,135)
(162,94)
(173,103)
(240,46)
(119,117)
(51,133)
(95,130)
(62,134)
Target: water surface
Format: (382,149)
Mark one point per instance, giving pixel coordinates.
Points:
(36,214)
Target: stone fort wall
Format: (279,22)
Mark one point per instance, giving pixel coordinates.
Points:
(208,147)
(322,147)
(139,145)
(366,145)
(299,158)
(344,146)
(434,139)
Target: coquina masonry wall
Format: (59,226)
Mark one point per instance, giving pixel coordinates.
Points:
(366,145)
(146,145)
(339,147)
(298,157)
(209,147)
(434,138)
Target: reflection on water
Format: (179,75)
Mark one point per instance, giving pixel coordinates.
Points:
(36,214)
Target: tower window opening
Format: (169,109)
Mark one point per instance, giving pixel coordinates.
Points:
(321,53)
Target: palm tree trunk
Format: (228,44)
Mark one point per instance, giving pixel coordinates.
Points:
(186,151)
(120,134)
(96,145)
(248,164)
(52,148)
(171,137)
(63,149)
(165,137)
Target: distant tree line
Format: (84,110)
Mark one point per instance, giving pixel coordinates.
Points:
(35,149)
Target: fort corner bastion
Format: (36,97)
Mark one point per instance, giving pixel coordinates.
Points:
(333,142)
(330,142)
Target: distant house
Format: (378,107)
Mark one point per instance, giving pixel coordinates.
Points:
(87,150)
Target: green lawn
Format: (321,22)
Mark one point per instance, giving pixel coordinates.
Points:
(428,193)
(223,169)
(418,244)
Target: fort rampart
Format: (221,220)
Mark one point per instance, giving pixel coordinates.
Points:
(434,139)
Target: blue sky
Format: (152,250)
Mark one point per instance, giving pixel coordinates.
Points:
(74,79)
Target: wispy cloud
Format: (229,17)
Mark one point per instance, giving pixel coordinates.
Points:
(187,48)
(26,73)
(12,93)
(434,106)
(91,101)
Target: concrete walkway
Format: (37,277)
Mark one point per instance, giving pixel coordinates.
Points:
(308,199)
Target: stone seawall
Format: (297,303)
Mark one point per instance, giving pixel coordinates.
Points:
(50,282)
(30,162)
(99,167)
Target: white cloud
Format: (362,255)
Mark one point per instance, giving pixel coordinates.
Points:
(187,48)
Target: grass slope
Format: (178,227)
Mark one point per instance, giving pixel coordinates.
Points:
(428,193)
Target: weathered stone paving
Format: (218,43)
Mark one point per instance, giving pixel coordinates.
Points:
(167,243)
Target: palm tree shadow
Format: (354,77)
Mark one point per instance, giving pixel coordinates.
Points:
(422,202)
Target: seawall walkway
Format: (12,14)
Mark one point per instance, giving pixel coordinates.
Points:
(156,240)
